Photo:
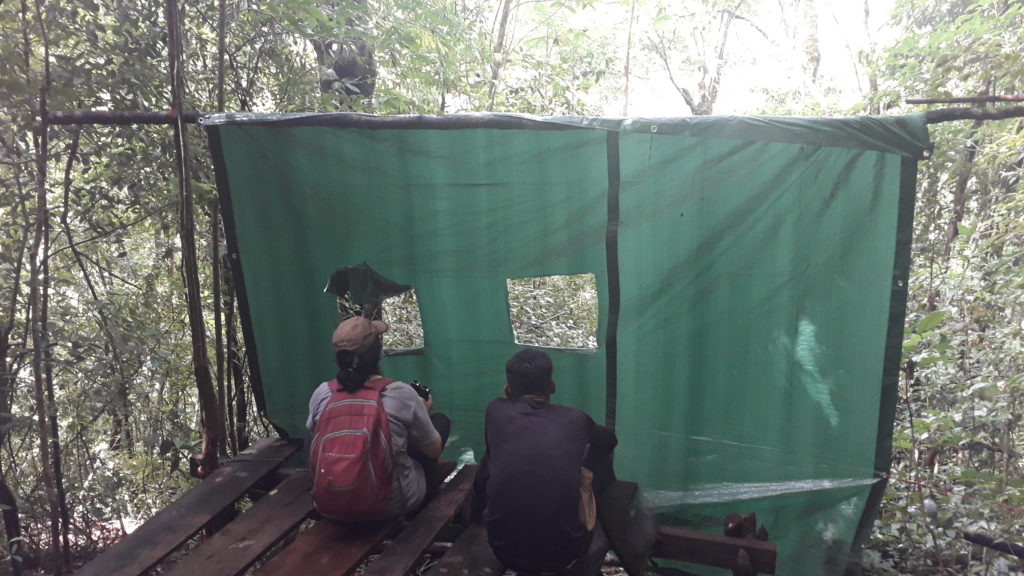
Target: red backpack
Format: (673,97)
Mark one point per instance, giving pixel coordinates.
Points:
(350,458)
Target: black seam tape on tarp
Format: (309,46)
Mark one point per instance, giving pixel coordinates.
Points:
(614,287)
(904,135)
(893,347)
(238,279)
(360,121)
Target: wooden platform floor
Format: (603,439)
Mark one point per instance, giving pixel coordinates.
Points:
(276,535)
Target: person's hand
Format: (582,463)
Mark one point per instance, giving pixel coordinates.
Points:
(429,402)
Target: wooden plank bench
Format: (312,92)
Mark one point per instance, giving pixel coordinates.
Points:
(398,557)
(470,555)
(172,526)
(241,543)
(328,548)
(338,549)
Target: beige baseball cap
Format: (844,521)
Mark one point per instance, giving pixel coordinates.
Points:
(357,334)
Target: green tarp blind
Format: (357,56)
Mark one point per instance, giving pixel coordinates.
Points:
(751,277)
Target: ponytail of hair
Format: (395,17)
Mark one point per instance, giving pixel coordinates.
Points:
(355,369)
(349,375)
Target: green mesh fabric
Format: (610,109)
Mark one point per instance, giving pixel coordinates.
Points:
(751,276)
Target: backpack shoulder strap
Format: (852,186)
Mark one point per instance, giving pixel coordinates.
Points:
(377,384)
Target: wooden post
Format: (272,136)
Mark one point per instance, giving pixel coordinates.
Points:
(207,461)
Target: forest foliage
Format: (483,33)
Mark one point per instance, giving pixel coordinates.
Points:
(98,401)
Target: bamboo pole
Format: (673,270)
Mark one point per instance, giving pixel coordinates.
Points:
(122,118)
(110,117)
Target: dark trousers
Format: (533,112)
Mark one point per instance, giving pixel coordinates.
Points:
(599,458)
(616,527)
(443,425)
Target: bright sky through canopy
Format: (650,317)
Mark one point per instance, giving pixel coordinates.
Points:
(765,56)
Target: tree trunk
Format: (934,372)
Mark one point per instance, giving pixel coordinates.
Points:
(499,52)
(711,67)
(217,262)
(207,461)
(226,303)
(37,298)
(40,339)
(222,17)
(709,88)
(873,108)
(13,255)
(235,368)
(51,401)
(629,48)
(960,189)
(218,326)
(12,524)
(812,47)
(9,359)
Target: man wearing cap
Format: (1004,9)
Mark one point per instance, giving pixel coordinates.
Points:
(417,437)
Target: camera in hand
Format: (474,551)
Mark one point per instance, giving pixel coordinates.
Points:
(420,389)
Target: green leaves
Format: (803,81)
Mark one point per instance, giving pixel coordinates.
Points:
(961,393)
(965,230)
(930,321)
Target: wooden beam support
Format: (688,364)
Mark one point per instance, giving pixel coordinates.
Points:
(713,550)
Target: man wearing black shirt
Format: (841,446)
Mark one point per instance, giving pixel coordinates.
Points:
(537,480)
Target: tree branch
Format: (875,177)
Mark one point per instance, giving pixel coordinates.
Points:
(750,23)
(990,542)
(662,52)
(953,114)
(107,233)
(967,99)
(499,52)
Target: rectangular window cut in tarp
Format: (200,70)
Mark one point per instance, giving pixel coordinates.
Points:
(751,278)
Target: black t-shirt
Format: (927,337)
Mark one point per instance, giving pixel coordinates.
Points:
(532,483)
